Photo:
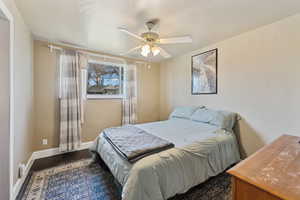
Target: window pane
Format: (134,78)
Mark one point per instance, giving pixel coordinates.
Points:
(104,79)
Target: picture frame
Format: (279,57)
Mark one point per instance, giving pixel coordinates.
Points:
(104,80)
(204,71)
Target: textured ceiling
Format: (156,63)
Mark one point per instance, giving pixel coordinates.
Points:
(93,23)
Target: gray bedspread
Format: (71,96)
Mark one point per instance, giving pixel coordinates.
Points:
(133,143)
(201,151)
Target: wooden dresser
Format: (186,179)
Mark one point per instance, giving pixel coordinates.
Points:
(272,173)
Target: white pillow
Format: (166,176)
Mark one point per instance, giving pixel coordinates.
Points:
(203,115)
(219,118)
(184,112)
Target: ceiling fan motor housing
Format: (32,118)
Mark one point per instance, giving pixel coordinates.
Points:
(150,36)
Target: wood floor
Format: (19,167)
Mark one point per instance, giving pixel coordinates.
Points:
(53,161)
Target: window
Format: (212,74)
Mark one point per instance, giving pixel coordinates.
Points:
(104,80)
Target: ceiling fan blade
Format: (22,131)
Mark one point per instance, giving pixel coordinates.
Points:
(131,34)
(164,53)
(132,50)
(174,40)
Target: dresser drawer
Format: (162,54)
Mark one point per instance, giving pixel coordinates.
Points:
(245,191)
(272,173)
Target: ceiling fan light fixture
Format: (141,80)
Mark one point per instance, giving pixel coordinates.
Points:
(145,54)
(145,50)
(155,51)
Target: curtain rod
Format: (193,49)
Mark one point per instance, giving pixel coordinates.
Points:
(51,47)
(100,55)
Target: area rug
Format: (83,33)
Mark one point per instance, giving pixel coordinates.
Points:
(88,180)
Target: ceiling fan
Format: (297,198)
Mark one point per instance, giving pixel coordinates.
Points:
(151,41)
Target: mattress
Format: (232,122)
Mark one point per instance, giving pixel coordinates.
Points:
(201,151)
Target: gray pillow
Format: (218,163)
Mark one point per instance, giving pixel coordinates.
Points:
(184,112)
(219,118)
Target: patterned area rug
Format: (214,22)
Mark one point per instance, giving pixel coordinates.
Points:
(87,180)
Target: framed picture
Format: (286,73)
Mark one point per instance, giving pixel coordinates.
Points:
(104,80)
(204,73)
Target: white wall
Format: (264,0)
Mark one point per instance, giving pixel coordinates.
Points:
(4,108)
(259,78)
(23,87)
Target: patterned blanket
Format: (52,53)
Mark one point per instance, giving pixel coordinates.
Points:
(133,143)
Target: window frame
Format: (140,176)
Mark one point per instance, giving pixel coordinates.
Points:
(103,96)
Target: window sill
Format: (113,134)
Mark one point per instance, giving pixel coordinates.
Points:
(92,96)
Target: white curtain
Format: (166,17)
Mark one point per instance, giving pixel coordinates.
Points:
(83,65)
(70,101)
(129,104)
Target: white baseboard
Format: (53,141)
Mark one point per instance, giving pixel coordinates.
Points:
(55,151)
(37,155)
(20,181)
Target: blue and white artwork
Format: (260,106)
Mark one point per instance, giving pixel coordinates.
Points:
(104,79)
(204,73)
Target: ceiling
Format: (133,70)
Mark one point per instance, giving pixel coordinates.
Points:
(93,23)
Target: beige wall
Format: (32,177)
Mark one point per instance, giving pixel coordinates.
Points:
(23,89)
(258,78)
(99,113)
(4,108)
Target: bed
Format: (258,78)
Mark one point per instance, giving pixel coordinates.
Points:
(202,150)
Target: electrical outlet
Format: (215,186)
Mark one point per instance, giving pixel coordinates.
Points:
(22,168)
(45,141)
